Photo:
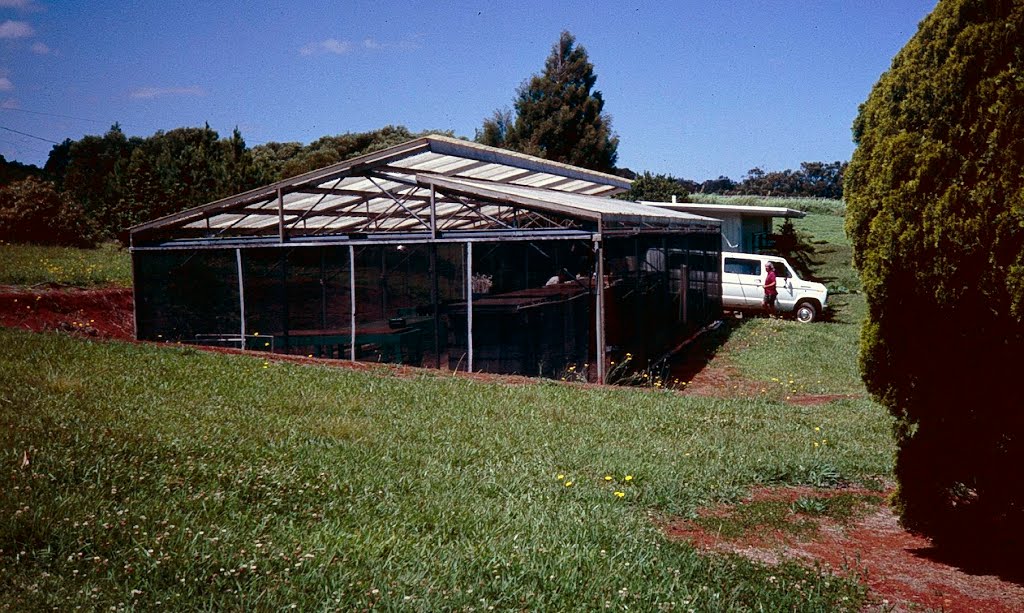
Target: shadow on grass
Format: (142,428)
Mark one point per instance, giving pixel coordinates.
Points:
(696,355)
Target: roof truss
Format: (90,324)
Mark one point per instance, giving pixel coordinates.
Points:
(427,186)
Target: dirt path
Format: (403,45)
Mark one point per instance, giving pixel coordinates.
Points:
(903,571)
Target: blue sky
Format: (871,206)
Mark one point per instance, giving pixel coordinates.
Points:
(695,89)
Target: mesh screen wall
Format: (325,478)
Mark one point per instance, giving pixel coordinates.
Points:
(534,303)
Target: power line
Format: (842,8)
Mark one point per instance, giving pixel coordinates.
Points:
(51,115)
(30,135)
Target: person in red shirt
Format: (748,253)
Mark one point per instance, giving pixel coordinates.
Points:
(770,292)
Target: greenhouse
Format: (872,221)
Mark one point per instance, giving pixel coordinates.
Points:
(437,252)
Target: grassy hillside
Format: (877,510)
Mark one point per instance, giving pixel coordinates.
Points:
(142,476)
(791,358)
(31,264)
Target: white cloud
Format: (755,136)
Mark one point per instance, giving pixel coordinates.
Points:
(148,93)
(5,84)
(331,45)
(10,103)
(25,5)
(42,49)
(15,29)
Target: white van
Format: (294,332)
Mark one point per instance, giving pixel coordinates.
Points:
(743,277)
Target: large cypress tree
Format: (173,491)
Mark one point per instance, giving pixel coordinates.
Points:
(935,211)
(558,114)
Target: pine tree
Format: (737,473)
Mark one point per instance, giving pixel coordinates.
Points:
(558,115)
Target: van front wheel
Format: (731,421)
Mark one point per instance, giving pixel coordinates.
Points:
(806,312)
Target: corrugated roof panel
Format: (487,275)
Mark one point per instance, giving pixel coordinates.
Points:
(537,180)
(343,184)
(452,165)
(572,186)
(218,222)
(595,190)
(264,221)
(421,161)
(567,202)
(495,172)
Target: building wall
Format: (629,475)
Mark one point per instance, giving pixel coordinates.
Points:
(754,233)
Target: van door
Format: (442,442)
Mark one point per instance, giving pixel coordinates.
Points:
(784,278)
(741,283)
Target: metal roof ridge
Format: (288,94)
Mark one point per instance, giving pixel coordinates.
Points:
(603,177)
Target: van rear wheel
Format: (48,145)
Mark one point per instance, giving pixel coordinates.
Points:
(806,312)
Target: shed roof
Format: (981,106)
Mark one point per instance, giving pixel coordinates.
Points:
(717,209)
(432,184)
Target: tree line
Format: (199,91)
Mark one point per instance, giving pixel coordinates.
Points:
(93,189)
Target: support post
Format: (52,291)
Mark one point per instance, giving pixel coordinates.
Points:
(282,236)
(469,307)
(352,300)
(241,297)
(433,212)
(599,318)
(434,299)
(137,302)
(323,290)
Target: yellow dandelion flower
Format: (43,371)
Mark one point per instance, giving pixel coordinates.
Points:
(620,494)
(629,477)
(607,477)
(817,429)
(560,477)
(568,484)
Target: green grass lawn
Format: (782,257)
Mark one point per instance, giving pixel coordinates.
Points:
(170,478)
(165,477)
(108,264)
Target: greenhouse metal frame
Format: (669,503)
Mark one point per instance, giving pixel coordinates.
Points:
(437,250)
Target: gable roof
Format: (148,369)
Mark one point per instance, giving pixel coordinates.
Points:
(432,184)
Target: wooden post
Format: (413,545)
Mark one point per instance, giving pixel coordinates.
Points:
(241,296)
(282,236)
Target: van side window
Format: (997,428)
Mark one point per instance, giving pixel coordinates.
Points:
(741,267)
